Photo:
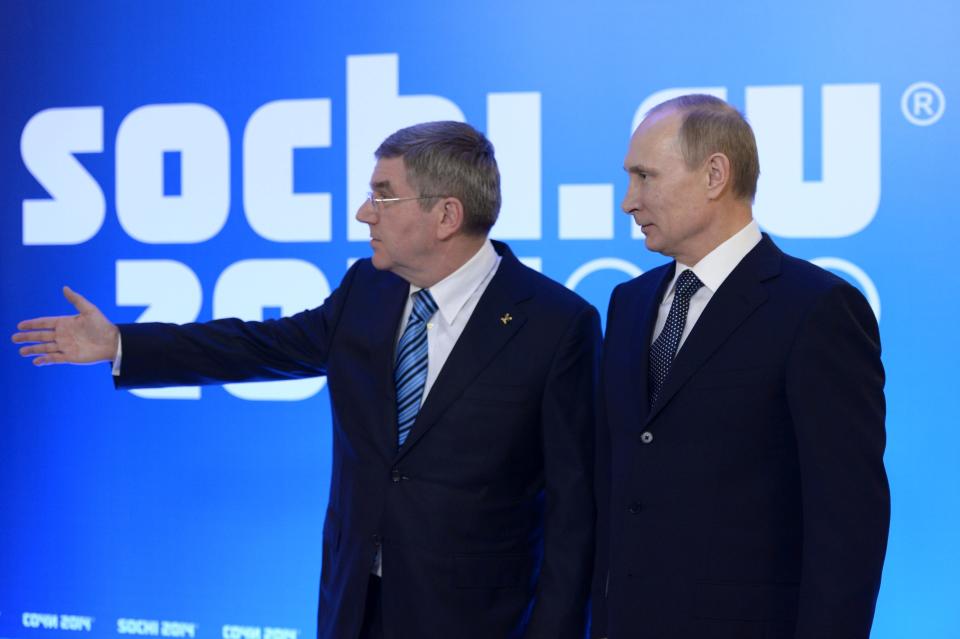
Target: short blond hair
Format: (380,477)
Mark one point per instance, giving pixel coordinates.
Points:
(710,126)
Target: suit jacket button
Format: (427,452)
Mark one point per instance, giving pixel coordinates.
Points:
(646,437)
(395,475)
(634,508)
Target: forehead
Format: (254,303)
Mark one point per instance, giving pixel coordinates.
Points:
(656,138)
(390,174)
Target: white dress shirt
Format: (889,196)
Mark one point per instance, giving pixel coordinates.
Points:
(712,270)
(456,296)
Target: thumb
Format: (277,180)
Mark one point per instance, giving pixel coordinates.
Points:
(79,301)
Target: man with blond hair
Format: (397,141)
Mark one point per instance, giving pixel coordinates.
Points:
(741,487)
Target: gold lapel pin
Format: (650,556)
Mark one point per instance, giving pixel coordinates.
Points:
(506,318)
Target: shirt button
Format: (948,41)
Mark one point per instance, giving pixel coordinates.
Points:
(646,437)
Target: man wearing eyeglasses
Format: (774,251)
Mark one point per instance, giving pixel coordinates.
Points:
(462,389)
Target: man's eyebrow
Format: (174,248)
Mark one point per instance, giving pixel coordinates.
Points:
(637,168)
(382,186)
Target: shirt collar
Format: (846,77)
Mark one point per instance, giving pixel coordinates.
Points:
(717,265)
(453,291)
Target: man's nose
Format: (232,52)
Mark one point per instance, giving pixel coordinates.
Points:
(631,201)
(365,213)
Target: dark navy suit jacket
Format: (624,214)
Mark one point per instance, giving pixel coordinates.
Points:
(751,499)
(486,514)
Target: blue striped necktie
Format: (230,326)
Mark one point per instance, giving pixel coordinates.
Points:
(664,348)
(410,374)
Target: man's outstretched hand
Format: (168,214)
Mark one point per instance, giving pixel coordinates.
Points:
(85,338)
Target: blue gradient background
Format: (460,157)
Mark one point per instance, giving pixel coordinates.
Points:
(211,511)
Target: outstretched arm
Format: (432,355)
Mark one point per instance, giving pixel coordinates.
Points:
(85,338)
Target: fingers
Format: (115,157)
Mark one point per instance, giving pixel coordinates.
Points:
(38,323)
(33,336)
(39,349)
(53,358)
(79,301)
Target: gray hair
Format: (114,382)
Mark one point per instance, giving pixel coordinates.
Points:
(450,159)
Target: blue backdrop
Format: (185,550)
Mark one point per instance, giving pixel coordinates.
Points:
(180,160)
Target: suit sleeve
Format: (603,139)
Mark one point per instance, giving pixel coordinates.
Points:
(835,393)
(231,350)
(568,418)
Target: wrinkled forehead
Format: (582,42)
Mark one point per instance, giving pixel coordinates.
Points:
(389,174)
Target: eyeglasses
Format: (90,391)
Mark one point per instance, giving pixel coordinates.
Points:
(378,202)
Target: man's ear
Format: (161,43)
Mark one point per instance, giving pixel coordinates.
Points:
(451,217)
(719,178)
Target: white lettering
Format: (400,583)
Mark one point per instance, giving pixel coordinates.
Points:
(585,211)
(76,622)
(200,210)
(273,210)
(140,627)
(923,101)
(76,208)
(845,201)
(40,620)
(513,126)
(178,629)
(241,632)
(280,633)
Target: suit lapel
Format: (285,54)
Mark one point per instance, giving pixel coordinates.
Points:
(737,298)
(644,308)
(485,334)
(388,297)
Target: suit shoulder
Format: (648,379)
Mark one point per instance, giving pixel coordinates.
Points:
(808,288)
(643,281)
(550,292)
(364,271)
(806,277)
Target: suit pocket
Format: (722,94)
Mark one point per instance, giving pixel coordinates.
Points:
(746,602)
(486,392)
(492,571)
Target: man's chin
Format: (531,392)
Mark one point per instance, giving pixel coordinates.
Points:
(379,262)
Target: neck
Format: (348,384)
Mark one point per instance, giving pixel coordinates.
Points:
(450,256)
(729,223)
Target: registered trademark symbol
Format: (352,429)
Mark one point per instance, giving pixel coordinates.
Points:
(923,103)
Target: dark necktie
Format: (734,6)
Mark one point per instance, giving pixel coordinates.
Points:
(410,374)
(664,348)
